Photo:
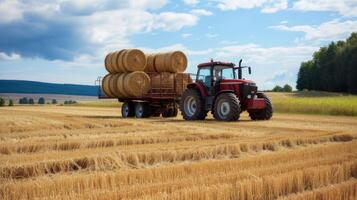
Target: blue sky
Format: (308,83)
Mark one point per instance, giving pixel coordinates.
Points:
(65,41)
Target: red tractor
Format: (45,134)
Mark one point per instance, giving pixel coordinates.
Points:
(220,88)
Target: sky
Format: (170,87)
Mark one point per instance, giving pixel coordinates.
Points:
(65,41)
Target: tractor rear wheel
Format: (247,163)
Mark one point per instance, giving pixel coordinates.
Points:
(263,114)
(227,107)
(142,110)
(192,105)
(127,109)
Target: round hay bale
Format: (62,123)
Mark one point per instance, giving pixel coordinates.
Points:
(107,63)
(134,60)
(176,61)
(121,87)
(106,86)
(121,67)
(159,62)
(163,80)
(150,64)
(113,85)
(114,61)
(137,83)
(182,80)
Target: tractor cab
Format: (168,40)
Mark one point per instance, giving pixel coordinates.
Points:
(215,76)
(220,88)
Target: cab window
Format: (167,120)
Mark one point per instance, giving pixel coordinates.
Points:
(223,72)
(204,75)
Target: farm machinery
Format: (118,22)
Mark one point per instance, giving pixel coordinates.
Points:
(218,87)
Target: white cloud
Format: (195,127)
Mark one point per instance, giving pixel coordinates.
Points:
(211,35)
(147,4)
(179,47)
(14,10)
(344,7)
(275,6)
(191,2)
(268,62)
(260,55)
(186,35)
(10,11)
(235,4)
(202,12)
(170,21)
(12,56)
(268,6)
(332,30)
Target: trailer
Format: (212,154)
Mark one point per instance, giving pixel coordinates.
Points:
(162,98)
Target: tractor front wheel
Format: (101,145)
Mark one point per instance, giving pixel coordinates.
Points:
(192,105)
(263,114)
(227,107)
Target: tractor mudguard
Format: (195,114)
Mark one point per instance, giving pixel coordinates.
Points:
(199,86)
(256,104)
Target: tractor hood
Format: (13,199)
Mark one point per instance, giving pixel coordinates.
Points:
(238,81)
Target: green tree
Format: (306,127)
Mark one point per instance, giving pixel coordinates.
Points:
(287,88)
(2,102)
(31,101)
(41,100)
(333,68)
(11,102)
(277,89)
(54,101)
(23,100)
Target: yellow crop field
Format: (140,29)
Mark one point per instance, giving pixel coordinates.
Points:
(90,152)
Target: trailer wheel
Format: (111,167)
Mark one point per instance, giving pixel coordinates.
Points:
(192,105)
(227,107)
(127,109)
(263,114)
(142,110)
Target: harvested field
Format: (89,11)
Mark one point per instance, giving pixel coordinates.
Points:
(60,152)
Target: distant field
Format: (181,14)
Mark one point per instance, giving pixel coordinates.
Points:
(315,103)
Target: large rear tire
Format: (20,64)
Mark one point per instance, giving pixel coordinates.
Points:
(263,114)
(227,107)
(127,109)
(142,110)
(192,105)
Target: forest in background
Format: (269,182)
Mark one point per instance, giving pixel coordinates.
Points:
(332,68)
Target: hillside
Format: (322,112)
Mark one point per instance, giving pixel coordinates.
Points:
(33,87)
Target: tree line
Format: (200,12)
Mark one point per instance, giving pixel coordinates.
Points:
(31,101)
(333,68)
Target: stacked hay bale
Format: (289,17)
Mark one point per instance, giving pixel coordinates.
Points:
(169,67)
(133,74)
(126,77)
